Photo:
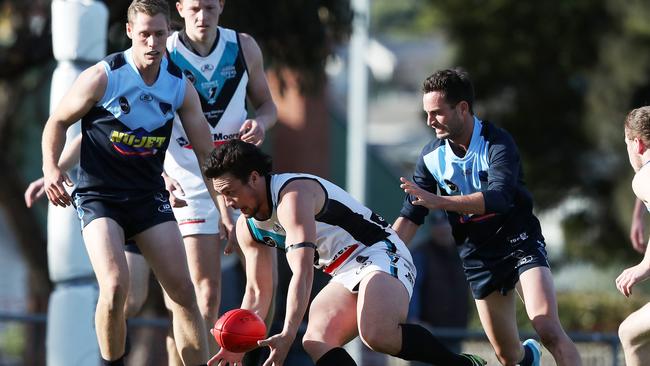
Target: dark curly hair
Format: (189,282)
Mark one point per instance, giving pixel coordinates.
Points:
(453,84)
(238,158)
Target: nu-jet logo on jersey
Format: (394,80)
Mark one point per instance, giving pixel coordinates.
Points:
(136,143)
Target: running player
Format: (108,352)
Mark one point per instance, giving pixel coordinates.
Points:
(634,331)
(138,268)
(320,225)
(226,69)
(477,170)
(127,104)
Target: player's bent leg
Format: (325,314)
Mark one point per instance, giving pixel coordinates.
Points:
(498,318)
(332,322)
(104,241)
(138,283)
(382,306)
(163,248)
(204,261)
(634,333)
(538,293)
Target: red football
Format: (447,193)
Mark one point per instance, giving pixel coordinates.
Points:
(238,330)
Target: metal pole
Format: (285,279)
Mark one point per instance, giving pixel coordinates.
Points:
(357,102)
(357,121)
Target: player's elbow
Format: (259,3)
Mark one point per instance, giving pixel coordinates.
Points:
(498,202)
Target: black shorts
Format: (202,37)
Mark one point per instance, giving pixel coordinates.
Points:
(133,214)
(131,247)
(486,273)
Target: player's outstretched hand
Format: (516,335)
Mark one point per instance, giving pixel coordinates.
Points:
(34,191)
(279,345)
(53,182)
(252,132)
(422,197)
(175,191)
(632,276)
(225,357)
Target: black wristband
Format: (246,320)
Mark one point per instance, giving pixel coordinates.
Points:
(304,244)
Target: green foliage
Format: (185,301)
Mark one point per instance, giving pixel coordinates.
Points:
(560,76)
(295,34)
(402,19)
(528,61)
(12,340)
(581,312)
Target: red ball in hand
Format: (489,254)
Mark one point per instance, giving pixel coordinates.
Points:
(238,330)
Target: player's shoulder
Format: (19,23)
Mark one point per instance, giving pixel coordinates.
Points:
(94,78)
(249,46)
(115,60)
(495,134)
(173,69)
(641,184)
(431,146)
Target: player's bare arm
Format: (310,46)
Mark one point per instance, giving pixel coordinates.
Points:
(641,272)
(258,93)
(259,270)
(86,91)
(637,228)
(298,204)
(69,158)
(259,283)
(467,204)
(405,229)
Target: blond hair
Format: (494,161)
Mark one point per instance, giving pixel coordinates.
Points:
(149,7)
(637,124)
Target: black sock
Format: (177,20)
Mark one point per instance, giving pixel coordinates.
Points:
(127,341)
(418,344)
(118,362)
(528,357)
(336,357)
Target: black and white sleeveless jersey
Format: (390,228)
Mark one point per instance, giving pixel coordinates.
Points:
(220,78)
(343,226)
(125,135)
(491,166)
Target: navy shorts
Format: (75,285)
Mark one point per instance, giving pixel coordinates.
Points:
(488,273)
(133,214)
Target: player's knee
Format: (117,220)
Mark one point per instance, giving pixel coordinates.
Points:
(310,345)
(134,302)
(208,298)
(315,345)
(378,339)
(182,293)
(549,330)
(112,294)
(629,333)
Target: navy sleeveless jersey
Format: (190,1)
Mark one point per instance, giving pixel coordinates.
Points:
(125,135)
(492,166)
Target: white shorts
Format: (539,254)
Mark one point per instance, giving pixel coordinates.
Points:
(378,257)
(200,216)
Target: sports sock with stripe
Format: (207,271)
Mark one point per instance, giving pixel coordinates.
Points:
(336,357)
(418,344)
(528,357)
(118,362)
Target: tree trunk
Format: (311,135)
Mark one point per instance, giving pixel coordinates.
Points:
(301,136)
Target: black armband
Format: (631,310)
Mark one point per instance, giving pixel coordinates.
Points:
(304,244)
